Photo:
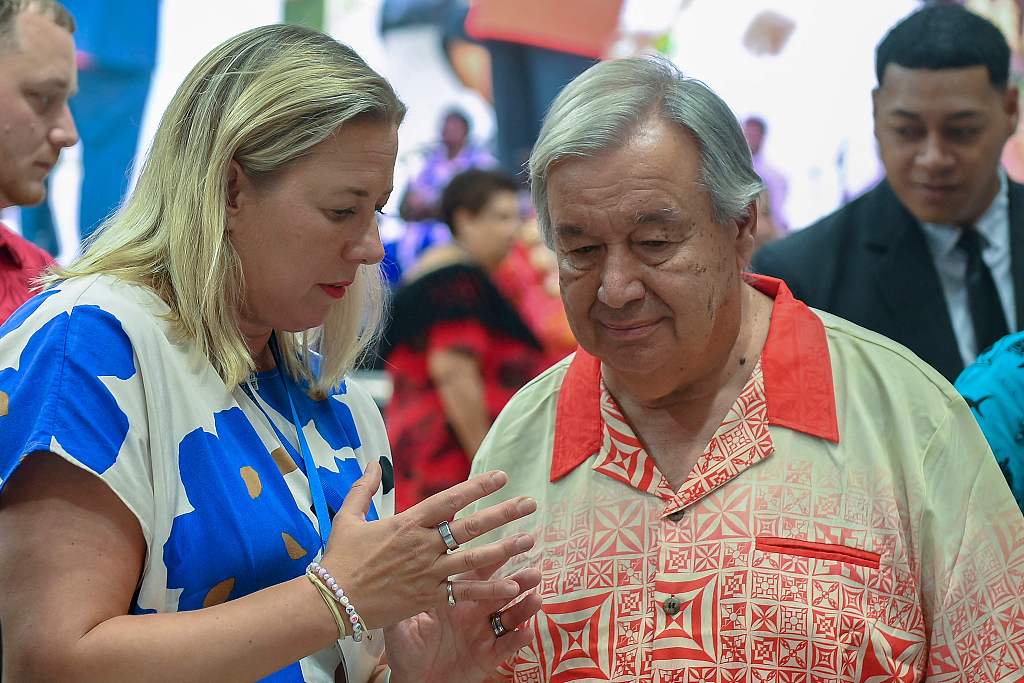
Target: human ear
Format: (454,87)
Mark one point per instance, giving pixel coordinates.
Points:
(239,187)
(746,232)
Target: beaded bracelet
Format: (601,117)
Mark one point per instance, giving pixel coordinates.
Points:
(323,577)
(332,605)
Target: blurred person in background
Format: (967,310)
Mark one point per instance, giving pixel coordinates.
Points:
(456,348)
(191,487)
(454,153)
(528,277)
(117,49)
(37,76)
(536,48)
(754,130)
(933,256)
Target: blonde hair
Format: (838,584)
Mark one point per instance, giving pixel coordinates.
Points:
(264,99)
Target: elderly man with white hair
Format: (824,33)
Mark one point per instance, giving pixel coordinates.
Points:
(731,485)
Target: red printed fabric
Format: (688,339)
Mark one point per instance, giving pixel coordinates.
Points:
(20,263)
(895,554)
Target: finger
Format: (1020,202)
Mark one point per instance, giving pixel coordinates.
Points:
(444,506)
(491,518)
(499,591)
(527,579)
(516,615)
(498,553)
(518,631)
(357,500)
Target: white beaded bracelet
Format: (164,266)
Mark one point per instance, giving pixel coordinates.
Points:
(358,626)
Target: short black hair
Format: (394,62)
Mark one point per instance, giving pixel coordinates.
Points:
(757,121)
(945,36)
(471,190)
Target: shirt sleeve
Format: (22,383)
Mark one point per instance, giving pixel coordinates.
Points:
(69,385)
(994,389)
(972,558)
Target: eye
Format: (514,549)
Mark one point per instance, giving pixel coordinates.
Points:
(962,133)
(42,101)
(340,214)
(653,245)
(583,251)
(907,132)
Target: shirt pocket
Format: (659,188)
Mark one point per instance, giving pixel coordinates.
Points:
(823,551)
(811,606)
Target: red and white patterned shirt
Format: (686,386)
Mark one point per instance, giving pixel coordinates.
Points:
(894,554)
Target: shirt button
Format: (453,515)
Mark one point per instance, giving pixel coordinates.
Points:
(672,606)
(677,515)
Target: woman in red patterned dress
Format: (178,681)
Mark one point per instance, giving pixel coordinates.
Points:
(457,350)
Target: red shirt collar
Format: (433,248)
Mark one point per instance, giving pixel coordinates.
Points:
(797,383)
(7,249)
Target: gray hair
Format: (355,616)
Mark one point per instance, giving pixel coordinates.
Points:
(596,112)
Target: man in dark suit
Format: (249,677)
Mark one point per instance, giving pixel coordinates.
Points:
(933,256)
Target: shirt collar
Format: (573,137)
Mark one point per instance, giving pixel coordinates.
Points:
(993,226)
(797,381)
(7,249)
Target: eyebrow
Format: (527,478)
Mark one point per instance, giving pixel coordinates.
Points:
(568,230)
(659,217)
(360,192)
(959,115)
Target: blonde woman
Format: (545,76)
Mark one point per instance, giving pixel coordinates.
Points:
(177,433)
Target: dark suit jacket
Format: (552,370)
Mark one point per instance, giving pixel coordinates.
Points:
(869,263)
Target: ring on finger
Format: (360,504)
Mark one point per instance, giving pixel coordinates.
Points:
(451,592)
(496,625)
(446,535)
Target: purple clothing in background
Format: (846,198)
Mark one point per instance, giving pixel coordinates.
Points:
(438,170)
(776,186)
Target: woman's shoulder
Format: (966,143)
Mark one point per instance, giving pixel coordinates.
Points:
(86,310)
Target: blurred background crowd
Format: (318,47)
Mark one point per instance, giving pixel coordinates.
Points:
(475,288)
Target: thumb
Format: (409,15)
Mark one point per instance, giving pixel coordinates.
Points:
(357,500)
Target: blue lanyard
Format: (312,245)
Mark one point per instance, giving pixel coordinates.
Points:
(316,489)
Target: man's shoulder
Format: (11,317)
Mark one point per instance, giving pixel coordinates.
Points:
(527,422)
(880,363)
(31,256)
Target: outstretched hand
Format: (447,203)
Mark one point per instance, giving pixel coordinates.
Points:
(457,644)
(396,567)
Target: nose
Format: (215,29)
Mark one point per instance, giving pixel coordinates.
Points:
(369,249)
(64,133)
(620,281)
(934,155)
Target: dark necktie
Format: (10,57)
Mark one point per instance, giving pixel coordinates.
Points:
(982,296)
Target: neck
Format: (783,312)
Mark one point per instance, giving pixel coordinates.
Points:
(258,343)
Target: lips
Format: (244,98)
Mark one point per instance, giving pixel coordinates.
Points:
(335,290)
(936,191)
(632,330)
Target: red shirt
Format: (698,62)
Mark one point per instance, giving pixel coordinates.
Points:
(20,263)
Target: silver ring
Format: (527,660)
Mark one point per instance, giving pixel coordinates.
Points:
(496,625)
(451,592)
(446,536)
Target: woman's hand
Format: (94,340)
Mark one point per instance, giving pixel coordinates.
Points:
(394,568)
(457,644)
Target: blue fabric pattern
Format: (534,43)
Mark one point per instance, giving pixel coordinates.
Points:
(57,390)
(994,389)
(95,372)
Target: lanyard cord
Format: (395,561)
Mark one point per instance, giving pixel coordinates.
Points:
(316,489)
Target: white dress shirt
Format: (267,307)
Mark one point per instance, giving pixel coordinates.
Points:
(951,264)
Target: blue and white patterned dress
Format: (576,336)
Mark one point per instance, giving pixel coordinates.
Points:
(93,372)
